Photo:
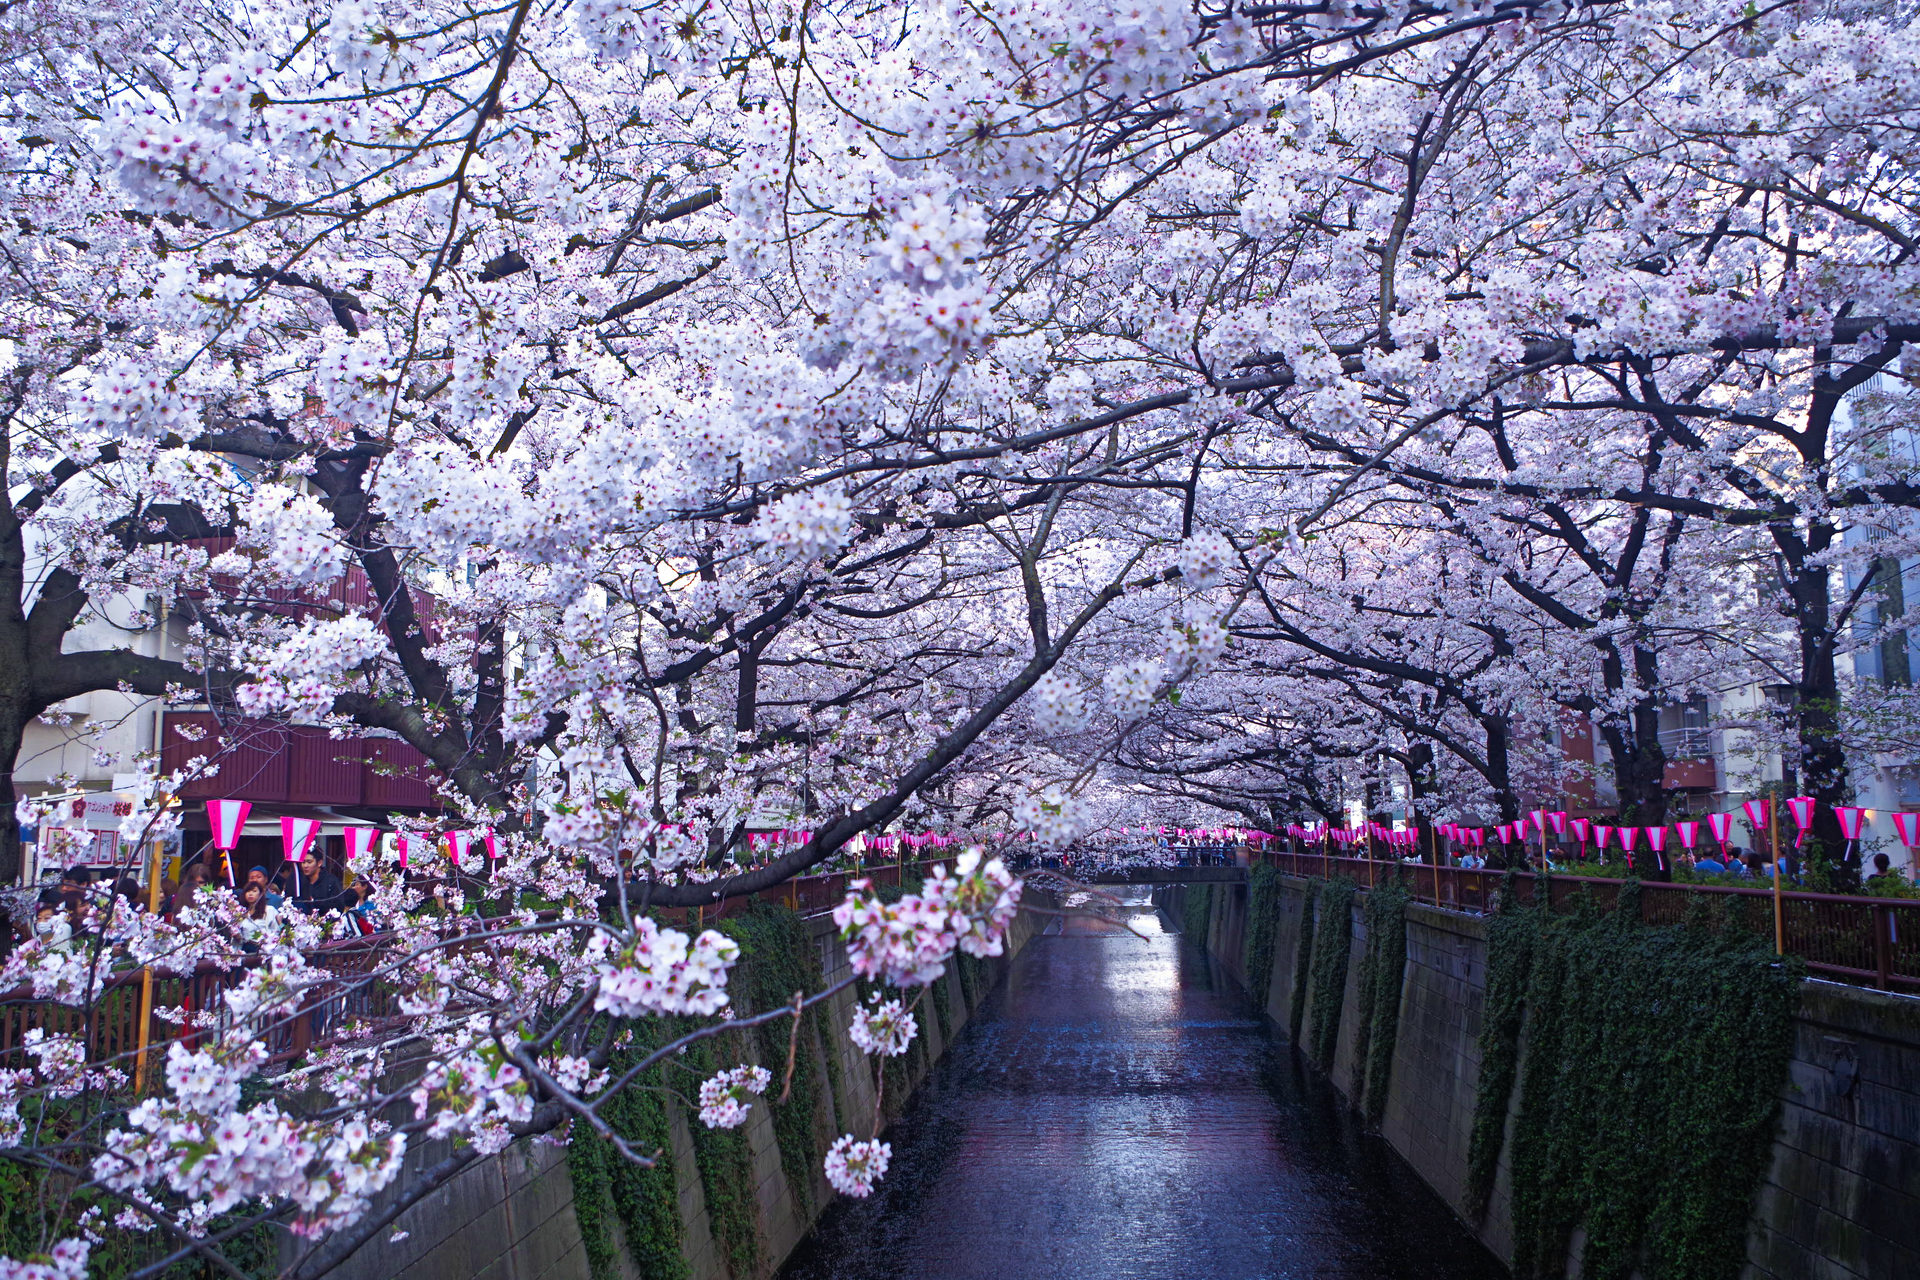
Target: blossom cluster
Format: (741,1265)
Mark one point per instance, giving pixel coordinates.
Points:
(1205,559)
(853,1166)
(805,526)
(302,674)
(475,1093)
(1132,686)
(1052,815)
(908,943)
(661,971)
(724,1098)
(199,1143)
(884,1028)
(67,1260)
(1059,704)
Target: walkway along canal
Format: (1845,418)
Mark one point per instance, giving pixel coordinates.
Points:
(1117,1110)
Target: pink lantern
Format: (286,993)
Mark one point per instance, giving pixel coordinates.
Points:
(457,842)
(1657,841)
(227,818)
(1581,827)
(1689,834)
(1602,836)
(1559,821)
(1849,817)
(1722,824)
(297,835)
(1801,807)
(1908,827)
(1759,812)
(360,841)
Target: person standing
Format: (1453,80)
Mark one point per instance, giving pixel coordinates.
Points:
(317,888)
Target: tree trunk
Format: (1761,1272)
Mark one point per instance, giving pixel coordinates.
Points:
(1822,763)
(12,852)
(1639,762)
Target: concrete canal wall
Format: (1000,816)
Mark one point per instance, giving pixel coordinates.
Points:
(1841,1198)
(512,1217)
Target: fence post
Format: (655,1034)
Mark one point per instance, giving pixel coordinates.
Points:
(1883,944)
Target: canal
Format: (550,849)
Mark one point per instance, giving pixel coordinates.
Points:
(1115,1111)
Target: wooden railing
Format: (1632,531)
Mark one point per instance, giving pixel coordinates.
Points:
(111,1026)
(1862,940)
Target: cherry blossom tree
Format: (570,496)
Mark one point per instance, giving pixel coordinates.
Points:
(844,413)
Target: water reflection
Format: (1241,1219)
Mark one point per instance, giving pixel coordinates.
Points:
(1115,1112)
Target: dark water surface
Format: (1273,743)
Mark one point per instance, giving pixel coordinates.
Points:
(1114,1111)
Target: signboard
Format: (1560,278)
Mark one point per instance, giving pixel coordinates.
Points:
(68,846)
(101,811)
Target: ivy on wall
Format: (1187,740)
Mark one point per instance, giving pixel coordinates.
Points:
(1302,963)
(972,978)
(1624,1127)
(725,1162)
(1263,921)
(607,1186)
(1332,946)
(1197,914)
(1510,937)
(940,998)
(777,959)
(1383,967)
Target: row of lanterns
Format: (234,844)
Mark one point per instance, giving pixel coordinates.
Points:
(229,817)
(1759,814)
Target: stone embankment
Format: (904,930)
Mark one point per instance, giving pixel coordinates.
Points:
(513,1217)
(1841,1196)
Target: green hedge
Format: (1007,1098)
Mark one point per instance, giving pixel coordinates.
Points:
(1628,1127)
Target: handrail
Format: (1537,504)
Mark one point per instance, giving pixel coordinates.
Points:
(1849,937)
(112,1021)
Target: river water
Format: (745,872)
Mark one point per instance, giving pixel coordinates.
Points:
(1115,1112)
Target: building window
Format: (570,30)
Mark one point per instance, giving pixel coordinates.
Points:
(1896,667)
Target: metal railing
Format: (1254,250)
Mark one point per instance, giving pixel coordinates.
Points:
(1866,941)
(1692,742)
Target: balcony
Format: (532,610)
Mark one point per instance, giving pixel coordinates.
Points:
(349,593)
(271,763)
(1690,763)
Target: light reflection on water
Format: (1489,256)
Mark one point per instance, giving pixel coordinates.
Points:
(1114,1111)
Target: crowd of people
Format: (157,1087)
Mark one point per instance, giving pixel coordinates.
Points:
(61,909)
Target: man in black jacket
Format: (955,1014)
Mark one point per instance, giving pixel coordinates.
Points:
(316,888)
